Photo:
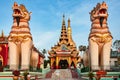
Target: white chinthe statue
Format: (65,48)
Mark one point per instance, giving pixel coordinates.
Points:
(20,39)
(100,38)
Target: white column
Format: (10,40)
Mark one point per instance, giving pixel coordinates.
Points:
(13,56)
(106,55)
(26,50)
(93,51)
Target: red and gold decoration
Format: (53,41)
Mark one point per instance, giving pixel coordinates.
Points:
(16,74)
(101,73)
(3,50)
(64,54)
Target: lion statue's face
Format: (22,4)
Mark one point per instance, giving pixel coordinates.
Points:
(17,11)
(20,12)
(99,12)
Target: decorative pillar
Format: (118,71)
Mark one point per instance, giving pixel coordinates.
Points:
(69,59)
(51,66)
(75,62)
(56,62)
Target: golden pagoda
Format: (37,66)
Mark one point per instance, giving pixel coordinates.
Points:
(64,54)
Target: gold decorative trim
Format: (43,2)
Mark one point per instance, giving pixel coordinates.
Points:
(19,38)
(19,32)
(98,32)
(102,38)
(99,27)
(0,48)
(16,27)
(99,22)
(106,32)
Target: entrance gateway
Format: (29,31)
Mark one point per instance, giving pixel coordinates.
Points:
(63,64)
(64,53)
(0,63)
(63,60)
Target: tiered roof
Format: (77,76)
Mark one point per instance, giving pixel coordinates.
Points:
(3,38)
(66,43)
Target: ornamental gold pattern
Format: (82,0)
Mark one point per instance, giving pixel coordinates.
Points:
(65,49)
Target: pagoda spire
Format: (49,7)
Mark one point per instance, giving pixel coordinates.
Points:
(2,34)
(69,28)
(68,22)
(64,48)
(63,22)
(63,35)
(69,34)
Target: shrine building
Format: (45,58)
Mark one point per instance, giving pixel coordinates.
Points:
(3,50)
(64,54)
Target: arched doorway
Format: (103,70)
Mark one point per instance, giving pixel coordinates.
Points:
(72,65)
(63,64)
(1,61)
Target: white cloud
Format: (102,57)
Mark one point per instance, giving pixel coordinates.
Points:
(78,11)
(44,40)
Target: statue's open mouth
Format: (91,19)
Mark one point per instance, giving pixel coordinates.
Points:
(16,11)
(17,14)
(102,15)
(102,11)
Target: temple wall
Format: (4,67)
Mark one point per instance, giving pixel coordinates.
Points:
(4,54)
(34,59)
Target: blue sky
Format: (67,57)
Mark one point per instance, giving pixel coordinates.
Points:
(46,19)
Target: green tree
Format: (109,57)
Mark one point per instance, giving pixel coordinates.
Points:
(44,51)
(46,62)
(82,48)
(116,44)
(90,75)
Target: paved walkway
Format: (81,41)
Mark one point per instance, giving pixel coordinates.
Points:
(62,74)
